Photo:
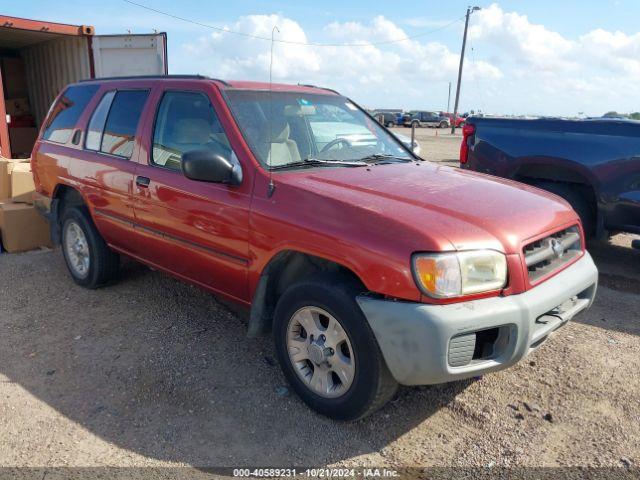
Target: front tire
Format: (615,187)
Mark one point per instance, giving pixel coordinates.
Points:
(89,260)
(327,350)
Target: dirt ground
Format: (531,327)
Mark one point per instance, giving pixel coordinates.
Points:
(437,144)
(153,372)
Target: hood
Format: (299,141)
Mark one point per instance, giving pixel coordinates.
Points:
(448,208)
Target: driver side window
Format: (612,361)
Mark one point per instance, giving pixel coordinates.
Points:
(186,121)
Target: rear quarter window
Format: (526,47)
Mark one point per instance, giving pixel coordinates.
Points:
(98,119)
(64,114)
(122,122)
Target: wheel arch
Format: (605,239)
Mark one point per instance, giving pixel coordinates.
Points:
(63,196)
(586,187)
(555,173)
(283,270)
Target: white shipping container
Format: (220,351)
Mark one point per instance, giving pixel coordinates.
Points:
(41,58)
(122,55)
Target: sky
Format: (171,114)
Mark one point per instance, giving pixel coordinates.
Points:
(523,56)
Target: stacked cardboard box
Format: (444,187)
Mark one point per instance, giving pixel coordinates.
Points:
(6,167)
(22,228)
(22,186)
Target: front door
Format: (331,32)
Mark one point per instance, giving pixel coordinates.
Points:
(197,230)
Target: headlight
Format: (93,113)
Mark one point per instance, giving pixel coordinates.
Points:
(446,275)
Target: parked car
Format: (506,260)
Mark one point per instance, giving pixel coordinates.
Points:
(593,164)
(368,267)
(460,119)
(389,118)
(426,119)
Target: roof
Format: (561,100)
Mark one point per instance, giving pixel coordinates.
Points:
(278,87)
(224,84)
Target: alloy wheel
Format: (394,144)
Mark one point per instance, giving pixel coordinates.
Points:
(77,249)
(320,352)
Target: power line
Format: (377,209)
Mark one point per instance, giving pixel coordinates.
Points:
(293,42)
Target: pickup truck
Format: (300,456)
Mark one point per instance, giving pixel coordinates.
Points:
(593,164)
(426,119)
(368,266)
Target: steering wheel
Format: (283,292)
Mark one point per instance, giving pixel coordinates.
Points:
(335,142)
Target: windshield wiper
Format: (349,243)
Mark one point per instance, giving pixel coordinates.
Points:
(383,156)
(312,162)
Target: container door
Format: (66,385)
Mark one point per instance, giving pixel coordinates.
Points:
(129,55)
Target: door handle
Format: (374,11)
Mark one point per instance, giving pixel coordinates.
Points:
(143,182)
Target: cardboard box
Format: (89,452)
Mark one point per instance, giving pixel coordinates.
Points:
(17,106)
(22,140)
(6,167)
(22,186)
(23,228)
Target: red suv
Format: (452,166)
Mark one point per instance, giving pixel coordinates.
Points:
(369,267)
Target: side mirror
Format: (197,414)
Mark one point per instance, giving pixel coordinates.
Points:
(210,166)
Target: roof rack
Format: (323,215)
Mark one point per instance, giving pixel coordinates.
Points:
(320,88)
(146,77)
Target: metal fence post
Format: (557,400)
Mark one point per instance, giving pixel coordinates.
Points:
(413,134)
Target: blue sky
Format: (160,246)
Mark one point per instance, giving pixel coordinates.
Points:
(524,57)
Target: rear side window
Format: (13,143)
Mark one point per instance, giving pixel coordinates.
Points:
(98,119)
(65,113)
(122,121)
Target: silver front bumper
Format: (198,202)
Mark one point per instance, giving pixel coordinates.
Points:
(423,344)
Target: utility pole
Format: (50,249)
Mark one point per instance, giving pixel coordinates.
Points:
(470,10)
(449,99)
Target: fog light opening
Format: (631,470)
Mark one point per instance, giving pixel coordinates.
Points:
(485,344)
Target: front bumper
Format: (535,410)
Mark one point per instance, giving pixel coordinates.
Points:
(428,344)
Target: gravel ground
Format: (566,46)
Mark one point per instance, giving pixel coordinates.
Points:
(153,372)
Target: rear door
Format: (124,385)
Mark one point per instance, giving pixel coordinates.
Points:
(107,164)
(129,55)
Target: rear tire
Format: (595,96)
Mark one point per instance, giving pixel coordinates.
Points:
(443,125)
(331,298)
(577,200)
(89,260)
(390,124)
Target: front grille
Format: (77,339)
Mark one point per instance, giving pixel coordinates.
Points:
(551,253)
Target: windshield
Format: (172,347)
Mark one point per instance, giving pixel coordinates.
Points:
(285,128)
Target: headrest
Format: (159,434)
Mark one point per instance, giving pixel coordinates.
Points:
(279,130)
(192,130)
